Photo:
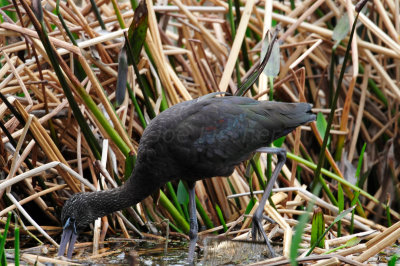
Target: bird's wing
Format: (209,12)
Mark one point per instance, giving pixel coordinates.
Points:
(222,131)
(219,133)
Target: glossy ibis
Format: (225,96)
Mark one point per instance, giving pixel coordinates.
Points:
(193,140)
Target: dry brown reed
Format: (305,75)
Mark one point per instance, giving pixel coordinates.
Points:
(194,53)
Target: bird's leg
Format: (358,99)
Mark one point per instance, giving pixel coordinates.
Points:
(258,214)
(193,220)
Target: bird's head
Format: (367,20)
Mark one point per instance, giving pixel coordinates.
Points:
(76,216)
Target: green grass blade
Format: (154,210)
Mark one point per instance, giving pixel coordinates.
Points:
(360,161)
(233,33)
(318,228)
(118,14)
(16,245)
(255,163)
(338,218)
(134,4)
(130,162)
(250,206)
(221,217)
(341,208)
(203,214)
(137,107)
(10,14)
(179,196)
(388,217)
(352,242)
(4,236)
(178,218)
(393,259)
(321,126)
(137,30)
(237,201)
(3,260)
(97,14)
(60,17)
(375,88)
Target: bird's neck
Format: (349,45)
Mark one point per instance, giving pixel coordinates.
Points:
(135,189)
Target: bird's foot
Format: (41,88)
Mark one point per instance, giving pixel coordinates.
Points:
(258,230)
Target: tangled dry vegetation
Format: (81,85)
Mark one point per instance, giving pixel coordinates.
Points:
(191,49)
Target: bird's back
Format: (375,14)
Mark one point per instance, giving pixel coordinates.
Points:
(208,137)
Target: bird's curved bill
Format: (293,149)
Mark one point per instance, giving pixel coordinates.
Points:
(69,236)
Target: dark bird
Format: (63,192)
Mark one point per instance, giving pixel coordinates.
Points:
(193,140)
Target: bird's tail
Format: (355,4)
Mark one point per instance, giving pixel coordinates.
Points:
(281,118)
(296,113)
